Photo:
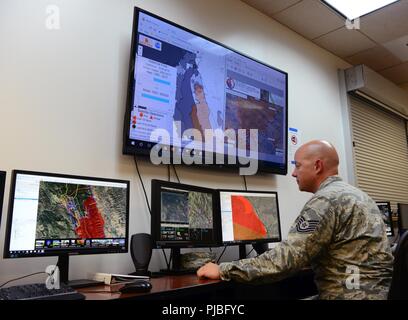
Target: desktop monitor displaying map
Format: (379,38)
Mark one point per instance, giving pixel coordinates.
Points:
(183,216)
(385,209)
(198,101)
(249,217)
(403,216)
(54,214)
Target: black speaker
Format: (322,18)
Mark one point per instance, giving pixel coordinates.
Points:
(260,247)
(141,246)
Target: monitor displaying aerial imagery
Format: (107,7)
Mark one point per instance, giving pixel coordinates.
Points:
(52,214)
(183,215)
(249,217)
(186,86)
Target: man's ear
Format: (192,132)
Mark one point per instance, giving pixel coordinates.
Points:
(319,166)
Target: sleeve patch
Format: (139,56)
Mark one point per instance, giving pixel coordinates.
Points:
(306,226)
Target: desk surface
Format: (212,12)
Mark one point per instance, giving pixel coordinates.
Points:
(190,287)
(161,287)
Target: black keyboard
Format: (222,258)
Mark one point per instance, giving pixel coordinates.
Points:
(38,291)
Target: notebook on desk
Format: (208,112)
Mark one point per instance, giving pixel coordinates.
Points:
(111,278)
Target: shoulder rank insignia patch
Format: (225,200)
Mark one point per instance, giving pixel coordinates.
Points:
(306,226)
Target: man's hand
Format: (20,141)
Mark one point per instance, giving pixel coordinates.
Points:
(210,271)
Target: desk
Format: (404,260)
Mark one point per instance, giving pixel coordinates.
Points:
(191,288)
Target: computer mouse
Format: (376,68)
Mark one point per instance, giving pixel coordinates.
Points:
(137,286)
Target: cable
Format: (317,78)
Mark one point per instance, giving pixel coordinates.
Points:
(29,275)
(219,258)
(165,258)
(141,182)
(249,252)
(168,172)
(245,183)
(175,172)
(100,291)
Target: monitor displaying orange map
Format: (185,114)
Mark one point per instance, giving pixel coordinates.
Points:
(249,216)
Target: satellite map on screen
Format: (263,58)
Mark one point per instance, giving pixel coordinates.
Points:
(192,208)
(80,211)
(254,218)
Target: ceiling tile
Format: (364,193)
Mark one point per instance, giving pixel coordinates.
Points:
(270,7)
(344,42)
(388,23)
(377,58)
(310,18)
(397,74)
(399,47)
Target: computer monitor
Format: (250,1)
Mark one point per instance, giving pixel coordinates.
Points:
(249,217)
(183,216)
(194,90)
(403,216)
(2,184)
(385,209)
(61,215)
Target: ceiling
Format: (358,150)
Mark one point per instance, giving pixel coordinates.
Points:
(380,41)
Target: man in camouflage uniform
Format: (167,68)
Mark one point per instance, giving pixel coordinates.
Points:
(340,233)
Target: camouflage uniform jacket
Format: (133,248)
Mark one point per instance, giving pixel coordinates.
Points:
(341,234)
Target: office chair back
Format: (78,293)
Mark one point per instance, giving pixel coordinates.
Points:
(399,283)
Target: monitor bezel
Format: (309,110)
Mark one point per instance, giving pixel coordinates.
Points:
(255,241)
(399,205)
(388,203)
(70,251)
(128,149)
(156,187)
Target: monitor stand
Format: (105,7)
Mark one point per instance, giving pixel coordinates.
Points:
(63,265)
(176,269)
(258,247)
(242,251)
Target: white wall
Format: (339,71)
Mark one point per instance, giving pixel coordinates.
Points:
(63,92)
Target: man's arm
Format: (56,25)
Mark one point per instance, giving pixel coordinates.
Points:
(309,235)
(210,271)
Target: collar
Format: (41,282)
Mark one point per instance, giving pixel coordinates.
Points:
(328,181)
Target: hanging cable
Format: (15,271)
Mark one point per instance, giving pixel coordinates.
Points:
(249,252)
(165,258)
(245,183)
(175,172)
(141,182)
(26,276)
(168,173)
(219,258)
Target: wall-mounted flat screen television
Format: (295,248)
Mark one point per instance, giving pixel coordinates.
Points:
(191,98)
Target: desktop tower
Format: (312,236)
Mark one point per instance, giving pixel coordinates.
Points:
(141,246)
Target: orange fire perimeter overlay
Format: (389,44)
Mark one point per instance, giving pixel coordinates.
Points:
(92,225)
(247,225)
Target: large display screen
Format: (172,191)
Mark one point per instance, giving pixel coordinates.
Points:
(204,98)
